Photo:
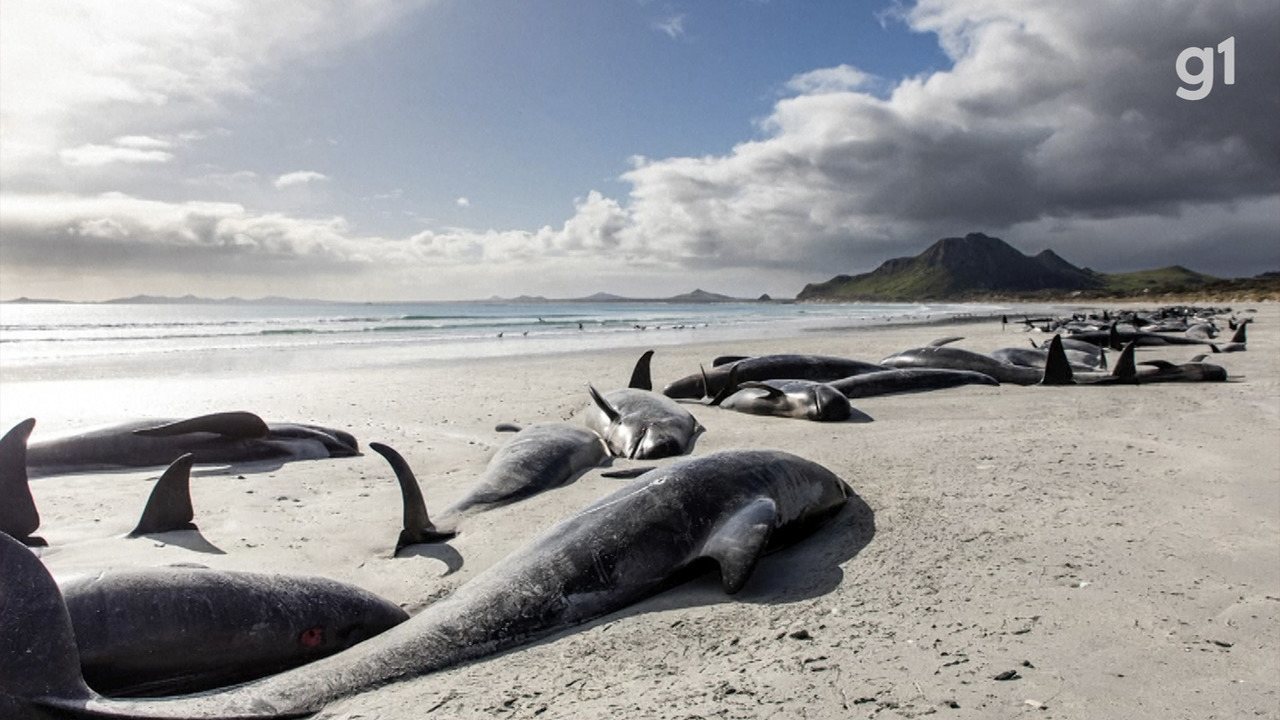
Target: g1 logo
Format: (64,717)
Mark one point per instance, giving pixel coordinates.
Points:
(1203,80)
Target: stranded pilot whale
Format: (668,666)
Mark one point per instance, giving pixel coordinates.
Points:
(164,631)
(219,438)
(820,368)
(637,423)
(540,457)
(725,509)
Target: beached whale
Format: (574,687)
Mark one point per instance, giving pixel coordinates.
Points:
(801,399)
(960,359)
(219,438)
(908,380)
(540,457)
(820,368)
(1128,372)
(177,630)
(724,510)
(637,423)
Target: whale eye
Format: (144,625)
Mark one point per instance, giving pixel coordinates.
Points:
(312,637)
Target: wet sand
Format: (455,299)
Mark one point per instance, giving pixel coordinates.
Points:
(1117,549)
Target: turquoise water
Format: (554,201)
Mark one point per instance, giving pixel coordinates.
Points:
(38,341)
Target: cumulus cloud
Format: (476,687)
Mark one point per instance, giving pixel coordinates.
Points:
(113,230)
(65,64)
(462,202)
(299,177)
(1051,112)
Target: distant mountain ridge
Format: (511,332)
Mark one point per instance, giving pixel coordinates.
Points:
(978,265)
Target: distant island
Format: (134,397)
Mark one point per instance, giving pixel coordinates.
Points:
(694,297)
(980,267)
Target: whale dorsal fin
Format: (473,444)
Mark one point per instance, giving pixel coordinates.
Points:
(38,654)
(169,507)
(18,514)
(237,424)
(729,388)
(738,542)
(1240,336)
(770,390)
(726,359)
(1125,367)
(418,527)
(640,377)
(1200,358)
(1113,338)
(946,340)
(610,411)
(1057,369)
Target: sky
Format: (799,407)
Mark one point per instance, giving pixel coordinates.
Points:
(442,149)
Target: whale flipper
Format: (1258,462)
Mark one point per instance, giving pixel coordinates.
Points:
(18,514)
(946,340)
(726,359)
(640,377)
(730,387)
(237,424)
(610,411)
(770,391)
(169,507)
(507,427)
(38,655)
(626,473)
(418,527)
(738,543)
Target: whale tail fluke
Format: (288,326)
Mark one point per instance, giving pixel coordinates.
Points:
(418,527)
(641,379)
(1057,369)
(18,515)
(38,656)
(169,507)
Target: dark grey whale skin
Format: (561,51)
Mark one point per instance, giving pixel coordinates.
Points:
(959,359)
(800,399)
(119,446)
(730,506)
(819,368)
(539,457)
(178,630)
(907,380)
(648,425)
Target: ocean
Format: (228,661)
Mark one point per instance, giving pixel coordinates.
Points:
(66,341)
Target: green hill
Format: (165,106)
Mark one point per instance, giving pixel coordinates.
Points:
(954,268)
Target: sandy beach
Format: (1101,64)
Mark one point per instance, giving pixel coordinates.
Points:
(1117,549)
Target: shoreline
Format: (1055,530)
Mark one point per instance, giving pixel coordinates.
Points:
(1112,538)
